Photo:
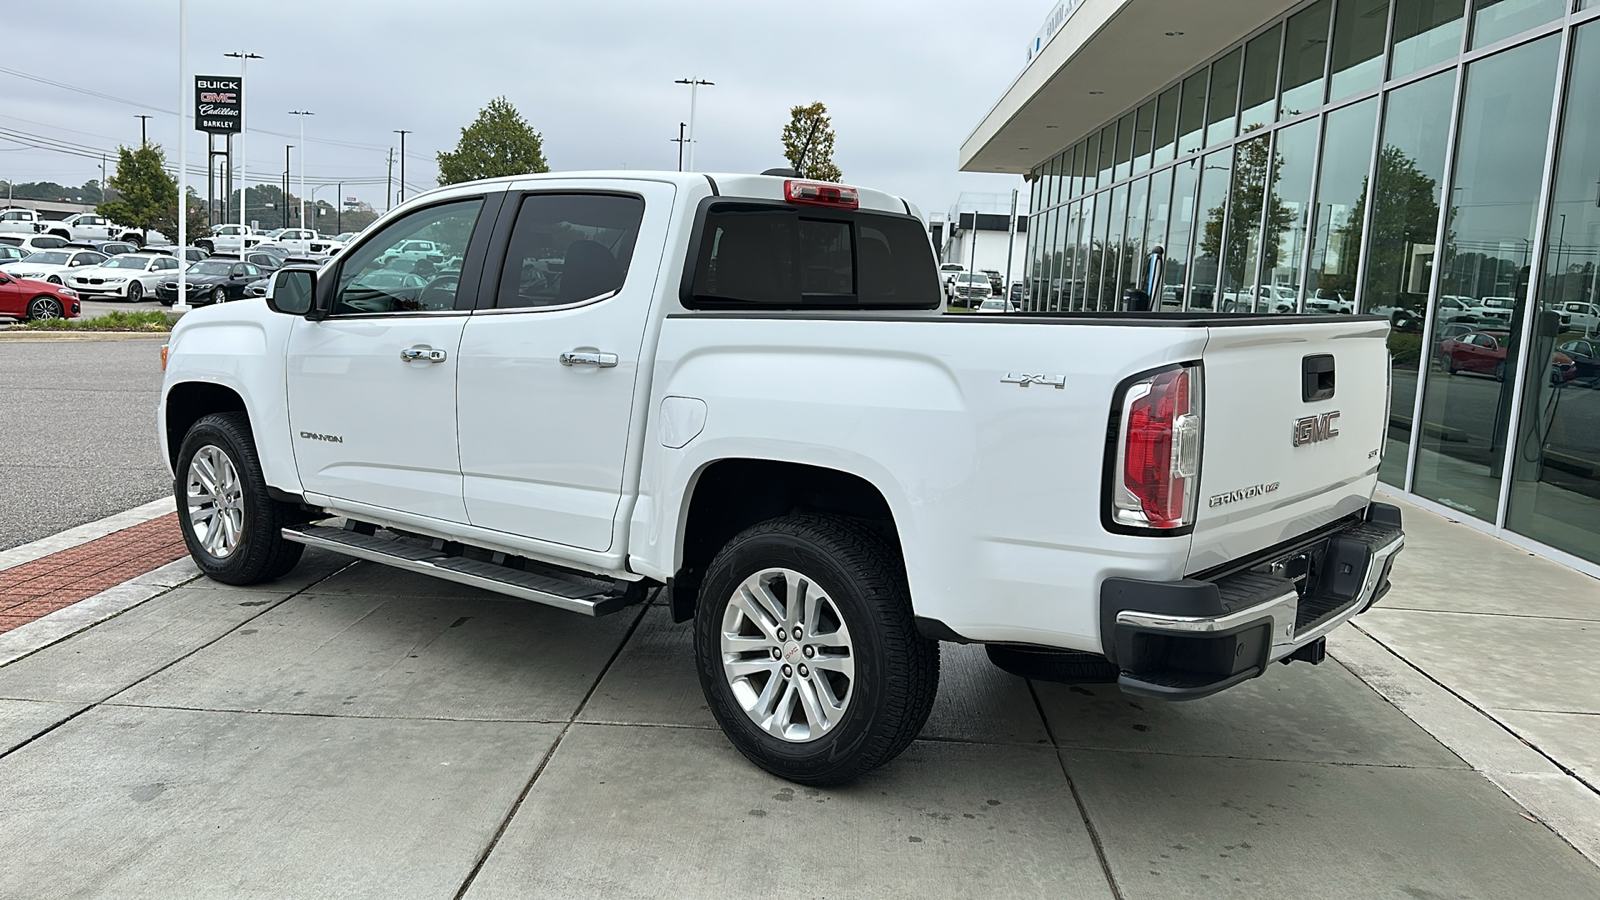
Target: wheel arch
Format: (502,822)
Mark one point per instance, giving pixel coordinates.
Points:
(728,495)
(187,402)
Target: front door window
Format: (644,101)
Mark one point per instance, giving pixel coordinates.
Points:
(381,276)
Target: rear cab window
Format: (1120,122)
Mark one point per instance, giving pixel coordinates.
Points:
(755,255)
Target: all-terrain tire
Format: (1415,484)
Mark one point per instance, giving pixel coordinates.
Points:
(896,669)
(1064,666)
(260,553)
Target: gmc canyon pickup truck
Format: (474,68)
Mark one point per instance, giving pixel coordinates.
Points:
(741,390)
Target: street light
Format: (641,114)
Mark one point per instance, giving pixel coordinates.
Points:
(694,89)
(182,305)
(244,57)
(402,134)
(301,114)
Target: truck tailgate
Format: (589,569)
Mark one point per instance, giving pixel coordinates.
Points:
(1287,447)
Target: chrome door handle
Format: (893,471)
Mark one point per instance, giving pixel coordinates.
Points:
(588,358)
(423,352)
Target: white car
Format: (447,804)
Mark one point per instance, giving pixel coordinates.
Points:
(1496,311)
(997,305)
(90,227)
(664,418)
(130,277)
(1454,306)
(1584,316)
(225,238)
(16,220)
(34,243)
(9,254)
(53,266)
(302,242)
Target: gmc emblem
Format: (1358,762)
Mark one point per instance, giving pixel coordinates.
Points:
(1315,429)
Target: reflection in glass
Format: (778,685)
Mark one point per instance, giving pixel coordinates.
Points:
(1057,261)
(1405,222)
(1192,114)
(1166,134)
(1496,19)
(1084,255)
(1155,234)
(1288,212)
(1425,32)
(1555,488)
(1221,113)
(1212,210)
(1108,139)
(1358,31)
(1097,251)
(1067,190)
(1124,146)
(1335,244)
(1069,240)
(1241,244)
(1466,404)
(1133,239)
(1185,178)
(1260,87)
(1051,171)
(1080,166)
(1305,51)
(1143,136)
(1111,281)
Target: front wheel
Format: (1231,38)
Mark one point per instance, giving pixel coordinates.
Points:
(135,292)
(807,651)
(232,527)
(220,295)
(42,308)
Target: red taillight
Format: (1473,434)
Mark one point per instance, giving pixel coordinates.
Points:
(821,193)
(1158,453)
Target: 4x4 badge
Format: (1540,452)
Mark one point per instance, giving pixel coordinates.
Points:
(1058,381)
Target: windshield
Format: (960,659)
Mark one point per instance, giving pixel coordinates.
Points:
(49,258)
(125,262)
(210,268)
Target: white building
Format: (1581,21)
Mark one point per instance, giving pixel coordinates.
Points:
(978,233)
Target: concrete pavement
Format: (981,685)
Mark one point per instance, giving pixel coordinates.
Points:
(358,731)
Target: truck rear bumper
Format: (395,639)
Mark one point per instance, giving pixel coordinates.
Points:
(1188,639)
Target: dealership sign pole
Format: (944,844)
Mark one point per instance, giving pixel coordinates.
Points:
(218,109)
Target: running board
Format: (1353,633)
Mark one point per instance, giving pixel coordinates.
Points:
(574,592)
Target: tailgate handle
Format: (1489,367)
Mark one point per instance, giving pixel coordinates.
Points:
(1316,377)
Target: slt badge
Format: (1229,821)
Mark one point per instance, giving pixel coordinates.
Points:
(1058,381)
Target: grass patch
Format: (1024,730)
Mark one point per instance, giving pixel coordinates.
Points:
(141,320)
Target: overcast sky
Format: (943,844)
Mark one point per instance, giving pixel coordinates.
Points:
(905,82)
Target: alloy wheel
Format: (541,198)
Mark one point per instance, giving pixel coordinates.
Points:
(215,500)
(43,308)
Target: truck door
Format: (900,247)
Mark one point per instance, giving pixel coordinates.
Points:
(551,360)
(372,388)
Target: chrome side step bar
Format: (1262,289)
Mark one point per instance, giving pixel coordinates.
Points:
(575,593)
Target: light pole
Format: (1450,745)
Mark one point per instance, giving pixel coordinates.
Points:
(694,90)
(680,141)
(402,134)
(301,114)
(285,217)
(144,140)
(244,57)
(181,306)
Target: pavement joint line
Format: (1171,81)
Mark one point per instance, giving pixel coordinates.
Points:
(83,534)
(516,806)
(1580,828)
(1077,798)
(321,715)
(1347,764)
(1495,615)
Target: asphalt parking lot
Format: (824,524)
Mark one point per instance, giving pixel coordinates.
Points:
(357,731)
(77,433)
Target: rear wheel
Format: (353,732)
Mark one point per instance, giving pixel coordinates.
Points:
(1500,371)
(807,651)
(42,308)
(1042,664)
(232,527)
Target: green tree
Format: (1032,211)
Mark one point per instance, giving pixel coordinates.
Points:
(1249,195)
(813,123)
(147,197)
(500,142)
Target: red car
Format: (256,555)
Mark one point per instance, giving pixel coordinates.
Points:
(21,298)
(1484,352)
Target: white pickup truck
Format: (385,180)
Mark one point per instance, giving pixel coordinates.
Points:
(227,239)
(741,390)
(90,227)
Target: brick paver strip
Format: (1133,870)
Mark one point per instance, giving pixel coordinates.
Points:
(41,587)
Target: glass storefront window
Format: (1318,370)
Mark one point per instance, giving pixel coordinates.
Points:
(1124,146)
(1144,131)
(1259,91)
(1063,168)
(1400,251)
(1083,254)
(1221,112)
(1341,198)
(1052,182)
(1287,214)
(1493,20)
(1111,280)
(1180,231)
(1241,247)
(1359,27)
(1425,32)
(1080,157)
(1068,190)
(1070,250)
(1108,139)
(1192,113)
(1555,487)
(1133,246)
(1211,215)
(1489,236)
(1096,240)
(1155,233)
(1058,249)
(1305,52)
(1166,134)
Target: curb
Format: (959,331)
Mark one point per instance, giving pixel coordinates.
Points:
(83,534)
(27,639)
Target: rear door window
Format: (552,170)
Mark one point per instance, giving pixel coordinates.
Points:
(754,255)
(568,248)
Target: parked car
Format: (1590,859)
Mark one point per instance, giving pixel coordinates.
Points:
(664,416)
(996,305)
(210,281)
(1484,352)
(23,298)
(1453,308)
(9,253)
(53,265)
(1583,316)
(261,257)
(1016,292)
(1332,303)
(1495,312)
(304,241)
(1585,354)
(997,282)
(92,227)
(191,254)
(14,220)
(130,277)
(227,237)
(33,243)
(969,289)
(109,248)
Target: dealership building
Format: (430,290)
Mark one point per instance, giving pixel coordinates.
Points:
(1433,161)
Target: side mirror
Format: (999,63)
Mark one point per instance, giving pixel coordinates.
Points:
(292,291)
